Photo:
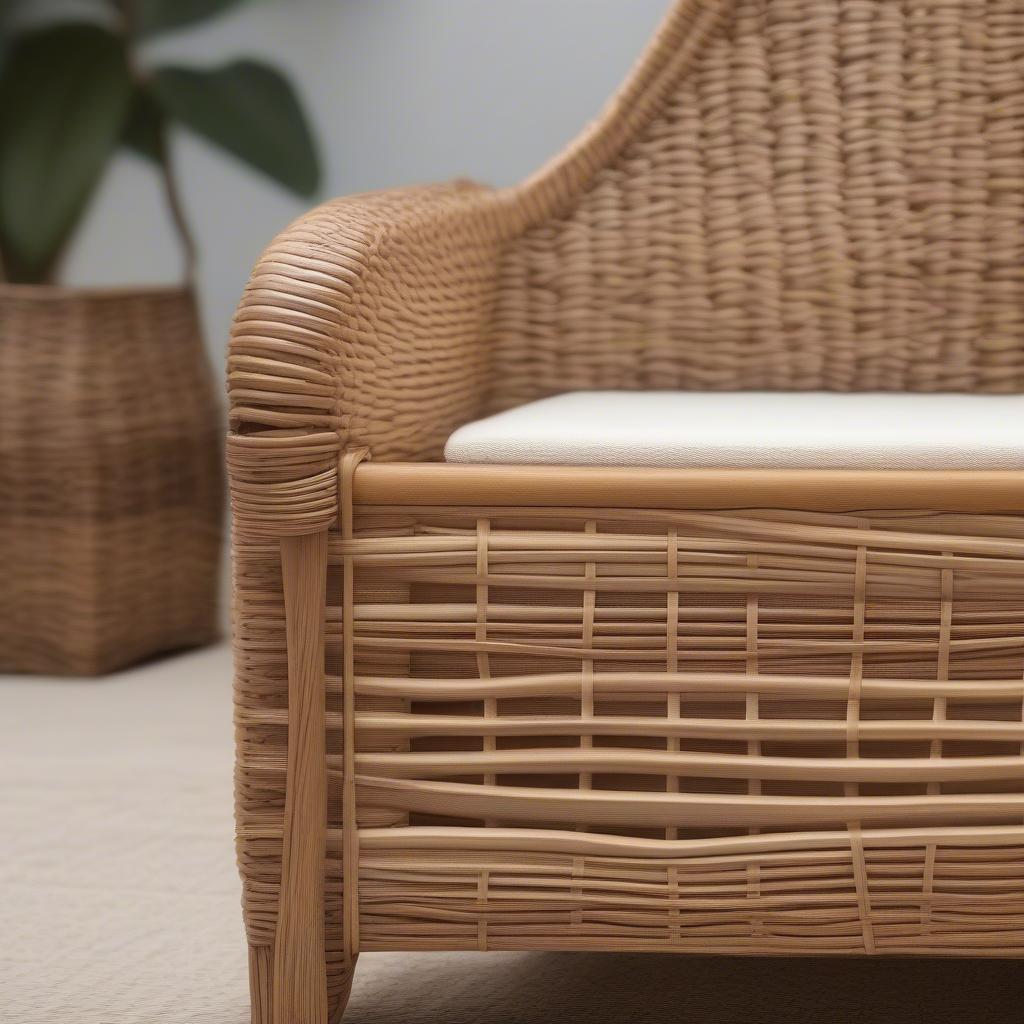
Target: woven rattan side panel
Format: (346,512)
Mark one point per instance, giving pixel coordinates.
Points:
(739,731)
(830,195)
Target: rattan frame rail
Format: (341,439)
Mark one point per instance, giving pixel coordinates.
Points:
(744,712)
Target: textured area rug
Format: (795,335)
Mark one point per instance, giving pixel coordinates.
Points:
(119,901)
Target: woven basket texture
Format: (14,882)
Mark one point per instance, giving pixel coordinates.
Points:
(110,478)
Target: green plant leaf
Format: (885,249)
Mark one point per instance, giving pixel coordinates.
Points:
(152,16)
(64,94)
(250,110)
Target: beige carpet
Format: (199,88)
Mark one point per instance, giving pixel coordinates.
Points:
(119,899)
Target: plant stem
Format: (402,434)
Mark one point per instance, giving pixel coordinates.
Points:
(177,211)
(126,8)
(167,177)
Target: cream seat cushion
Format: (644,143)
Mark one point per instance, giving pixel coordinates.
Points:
(752,429)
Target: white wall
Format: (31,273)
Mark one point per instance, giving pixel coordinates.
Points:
(399,91)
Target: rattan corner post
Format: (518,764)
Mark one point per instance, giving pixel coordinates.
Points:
(768,712)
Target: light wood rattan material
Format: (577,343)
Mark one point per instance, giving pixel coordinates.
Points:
(750,712)
(110,478)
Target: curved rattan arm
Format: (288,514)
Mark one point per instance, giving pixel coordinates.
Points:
(362,324)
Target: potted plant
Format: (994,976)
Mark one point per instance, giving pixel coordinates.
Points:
(110,428)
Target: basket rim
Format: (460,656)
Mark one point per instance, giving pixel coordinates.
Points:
(50,292)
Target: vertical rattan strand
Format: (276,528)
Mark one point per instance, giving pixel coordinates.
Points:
(860,871)
(938,715)
(860,877)
(673,708)
(483,664)
(673,701)
(856,663)
(587,663)
(753,712)
(482,886)
(675,929)
(349,824)
(483,659)
(586,696)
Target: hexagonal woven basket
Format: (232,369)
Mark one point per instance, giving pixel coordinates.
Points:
(110,478)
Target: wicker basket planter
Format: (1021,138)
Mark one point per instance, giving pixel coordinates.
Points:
(110,478)
(705,710)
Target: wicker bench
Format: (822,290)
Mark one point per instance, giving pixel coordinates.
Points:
(750,711)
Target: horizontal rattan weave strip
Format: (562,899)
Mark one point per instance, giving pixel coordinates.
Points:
(404,484)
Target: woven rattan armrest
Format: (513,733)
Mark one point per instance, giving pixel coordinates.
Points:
(363,324)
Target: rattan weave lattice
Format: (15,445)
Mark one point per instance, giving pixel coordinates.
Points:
(733,712)
(736,731)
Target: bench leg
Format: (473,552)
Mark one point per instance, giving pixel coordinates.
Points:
(261,976)
(299,989)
